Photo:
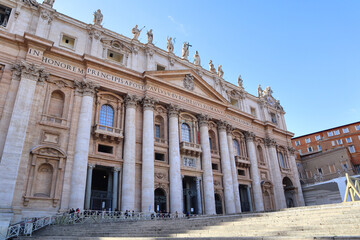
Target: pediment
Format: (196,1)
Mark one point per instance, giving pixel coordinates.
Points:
(116,44)
(189,81)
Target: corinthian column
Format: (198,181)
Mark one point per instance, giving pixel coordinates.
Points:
(79,169)
(254,170)
(208,180)
(28,74)
(295,171)
(226,169)
(128,183)
(174,161)
(147,196)
(276,174)
(233,170)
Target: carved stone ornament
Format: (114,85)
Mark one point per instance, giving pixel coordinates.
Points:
(49,2)
(291,150)
(93,33)
(250,136)
(59,83)
(48,151)
(229,129)
(203,120)
(46,15)
(173,110)
(171,60)
(28,71)
(149,103)
(33,3)
(222,125)
(131,100)
(216,183)
(150,52)
(270,142)
(189,82)
(86,87)
(161,176)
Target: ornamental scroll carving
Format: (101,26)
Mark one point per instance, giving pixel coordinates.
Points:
(189,82)
(29,71)
(86,87)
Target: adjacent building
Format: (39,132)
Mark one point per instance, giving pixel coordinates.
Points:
(92,119)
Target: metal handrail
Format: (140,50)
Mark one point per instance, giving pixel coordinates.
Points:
(352,188)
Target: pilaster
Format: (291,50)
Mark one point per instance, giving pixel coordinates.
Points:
(294,169)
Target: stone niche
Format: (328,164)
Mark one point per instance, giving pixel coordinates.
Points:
(45,178)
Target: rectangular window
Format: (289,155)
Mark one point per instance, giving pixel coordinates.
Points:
(319,147)
(241,172)
(253,111)
(114,56)
(215,166)
(330,134)
(345,130)
(318,138)
(307,140)
(105,149)
(67,41)
(297,143)
(351,149)
(344,166)
(333,143)
(357,127)
(320,170)
(332,168)
(339,141)
(349,140)
(310,149)
(160,157)
(273,118)
(157,130)
(308,174)
(4,15)
(160,68)
(336,132)
(299,152)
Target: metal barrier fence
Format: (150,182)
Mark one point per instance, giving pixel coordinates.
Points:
(28,226)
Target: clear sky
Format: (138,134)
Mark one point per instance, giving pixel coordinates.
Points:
(308,51)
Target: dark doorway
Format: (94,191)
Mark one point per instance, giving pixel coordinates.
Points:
(101,189)
(190,195)
(289,191)
(218,204)
(160,200)
(244,198)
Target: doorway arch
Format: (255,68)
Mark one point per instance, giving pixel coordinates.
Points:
(218,204)
(160,200)
(289,191)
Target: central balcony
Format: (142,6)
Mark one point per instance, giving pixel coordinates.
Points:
(191,149)
(108,133)
(242,162)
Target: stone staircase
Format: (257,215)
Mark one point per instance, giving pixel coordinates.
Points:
(333,221)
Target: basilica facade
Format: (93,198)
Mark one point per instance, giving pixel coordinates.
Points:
(92,119)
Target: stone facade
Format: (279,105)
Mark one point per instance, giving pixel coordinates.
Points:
(92,119)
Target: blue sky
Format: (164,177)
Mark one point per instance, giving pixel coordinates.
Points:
(308,51)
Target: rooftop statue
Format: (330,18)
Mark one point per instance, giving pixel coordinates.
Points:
(240,82)
(185,50)
(150,36)
(267,91)
(136,32)
(211,67)
(170,45)
(197,59)
(49,2)
(260,91)
(98,17)
(220,71)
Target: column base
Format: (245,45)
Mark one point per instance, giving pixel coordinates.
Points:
(6,215)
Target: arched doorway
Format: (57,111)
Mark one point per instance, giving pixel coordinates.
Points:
(289,191)
(160,200)
(218,204)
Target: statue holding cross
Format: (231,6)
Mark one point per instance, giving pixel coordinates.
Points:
(185,50)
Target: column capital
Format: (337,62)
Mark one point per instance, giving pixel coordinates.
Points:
(198,178)
(291,150)
(86,87)
(29,71)
(270,142)
(222,125)
(173,110)
(116,169)
(229,129)
(250,136)
(91,165)
(203,120)
(131,100)
(149,103)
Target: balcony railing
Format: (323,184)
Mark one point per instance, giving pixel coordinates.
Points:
(242,162)
(160,140)
(110,133)
(214,152)
(48,119)
(192,149)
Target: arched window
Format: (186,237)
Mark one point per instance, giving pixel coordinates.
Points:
(56,106)
(106,116)
(185,133)
(159,127)
(212,140)
(236,147)
(260,154)
(281,160)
